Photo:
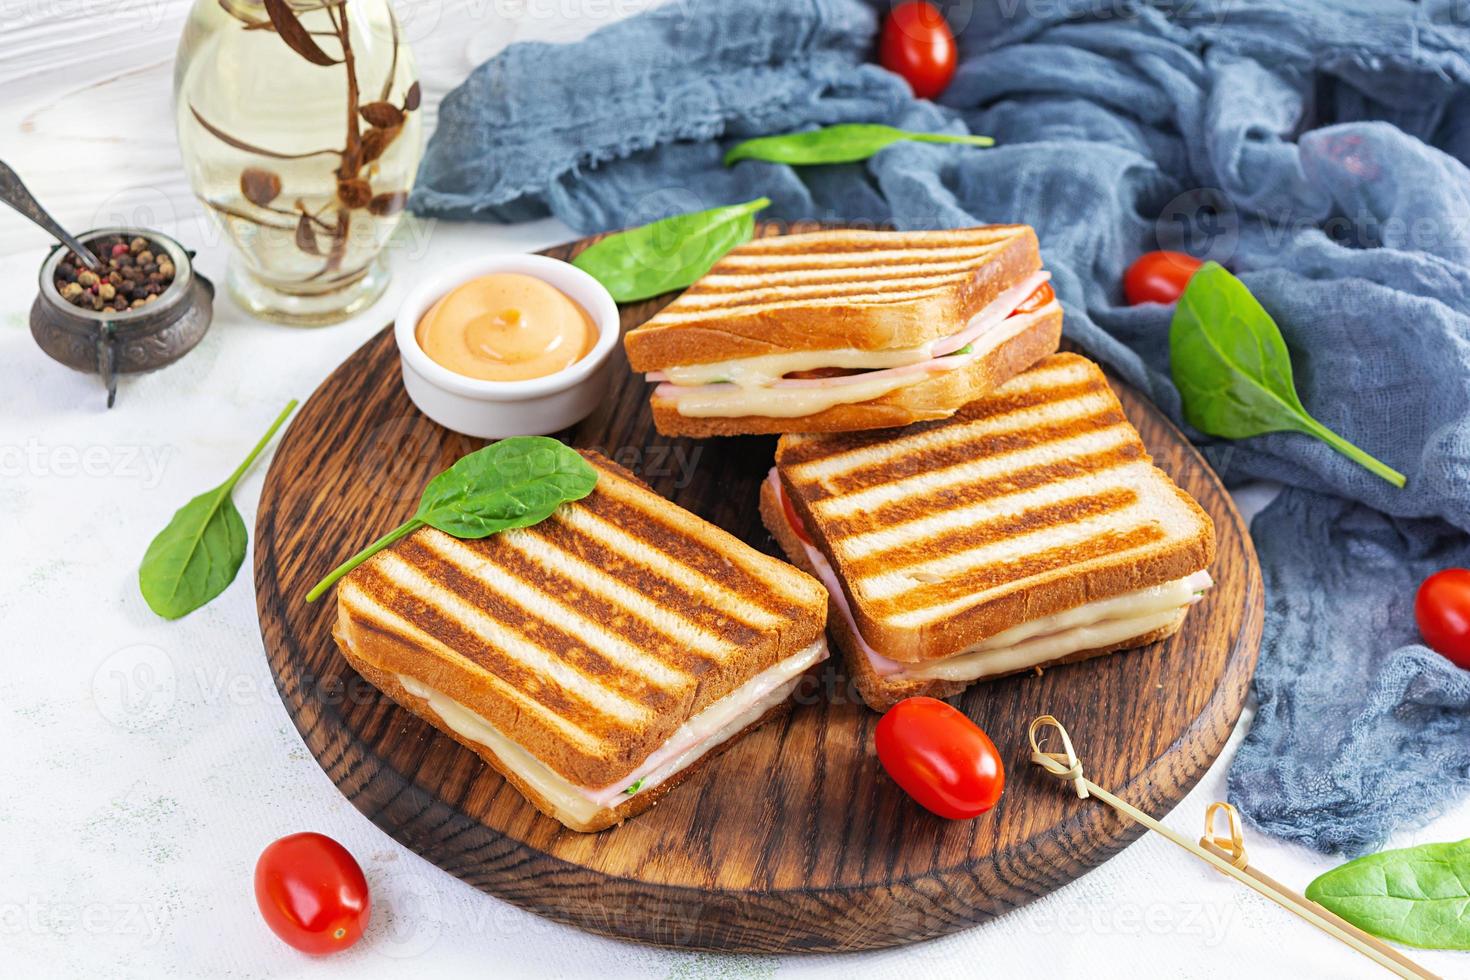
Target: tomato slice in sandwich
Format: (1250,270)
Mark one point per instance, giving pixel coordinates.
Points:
(793,519)
(1038,299)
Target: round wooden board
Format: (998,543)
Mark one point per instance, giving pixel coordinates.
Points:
(794,839)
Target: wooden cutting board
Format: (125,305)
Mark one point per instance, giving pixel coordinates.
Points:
(794,839)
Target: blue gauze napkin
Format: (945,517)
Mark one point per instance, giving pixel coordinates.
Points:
(1317,147)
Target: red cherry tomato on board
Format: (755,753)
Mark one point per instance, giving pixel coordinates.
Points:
(1442,609)
(312,893)
(940,758)
(1159,277)
(918,45)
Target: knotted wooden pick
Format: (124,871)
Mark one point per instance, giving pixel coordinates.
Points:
(1225,854)
(1234,845)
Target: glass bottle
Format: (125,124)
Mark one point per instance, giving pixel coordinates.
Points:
(300,130)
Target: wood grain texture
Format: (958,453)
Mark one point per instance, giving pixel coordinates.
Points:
(793,840)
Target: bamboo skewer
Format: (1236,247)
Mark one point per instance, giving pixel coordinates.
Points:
(1226,855)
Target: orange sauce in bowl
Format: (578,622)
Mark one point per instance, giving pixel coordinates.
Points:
(506,326)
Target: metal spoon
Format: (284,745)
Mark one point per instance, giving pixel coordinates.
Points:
(14,193)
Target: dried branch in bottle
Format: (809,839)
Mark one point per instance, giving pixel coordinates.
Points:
(306,237)
(376,141)
(392,63)
(234,212)
(260,186)
(239,144)
(385,120)
(296,37)
(384,115)
(354,193)
(339,243)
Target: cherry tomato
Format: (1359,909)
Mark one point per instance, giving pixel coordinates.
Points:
(1442,609)
(793,519)
(1158,277)
(1037,300)
(918,45)
(940,758)
(312,893)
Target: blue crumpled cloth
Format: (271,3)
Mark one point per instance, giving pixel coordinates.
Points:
(1317,147)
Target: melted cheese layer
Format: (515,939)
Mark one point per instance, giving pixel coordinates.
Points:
(712,727)
(796,398)
(768,368)
(732,400)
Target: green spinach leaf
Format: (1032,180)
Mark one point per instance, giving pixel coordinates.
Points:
(1419,896)
(1234,372)
(512,483)
(669,254)
(845,143)
(196,556)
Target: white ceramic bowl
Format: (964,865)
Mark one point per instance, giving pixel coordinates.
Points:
(497,409)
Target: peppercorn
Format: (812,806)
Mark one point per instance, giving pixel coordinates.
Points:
(133,272)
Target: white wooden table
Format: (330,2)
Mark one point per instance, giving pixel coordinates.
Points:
(148,762)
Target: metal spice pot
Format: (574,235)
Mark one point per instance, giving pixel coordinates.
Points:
(134,341)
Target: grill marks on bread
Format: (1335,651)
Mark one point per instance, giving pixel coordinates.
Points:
(1042,479)
(838,268)
(605,618)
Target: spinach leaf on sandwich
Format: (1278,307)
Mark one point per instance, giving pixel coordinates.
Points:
(512,483)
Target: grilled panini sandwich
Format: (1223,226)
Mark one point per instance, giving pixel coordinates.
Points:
(836,331)
(1030,529)
(595,659)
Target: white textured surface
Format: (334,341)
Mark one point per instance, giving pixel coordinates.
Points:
(147,763)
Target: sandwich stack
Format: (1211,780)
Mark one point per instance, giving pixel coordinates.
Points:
(836,331)
(595,659)
(1030,529)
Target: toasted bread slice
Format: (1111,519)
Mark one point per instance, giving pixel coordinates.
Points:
(870,290)
(1033,500)
(881,693)
(580,646)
